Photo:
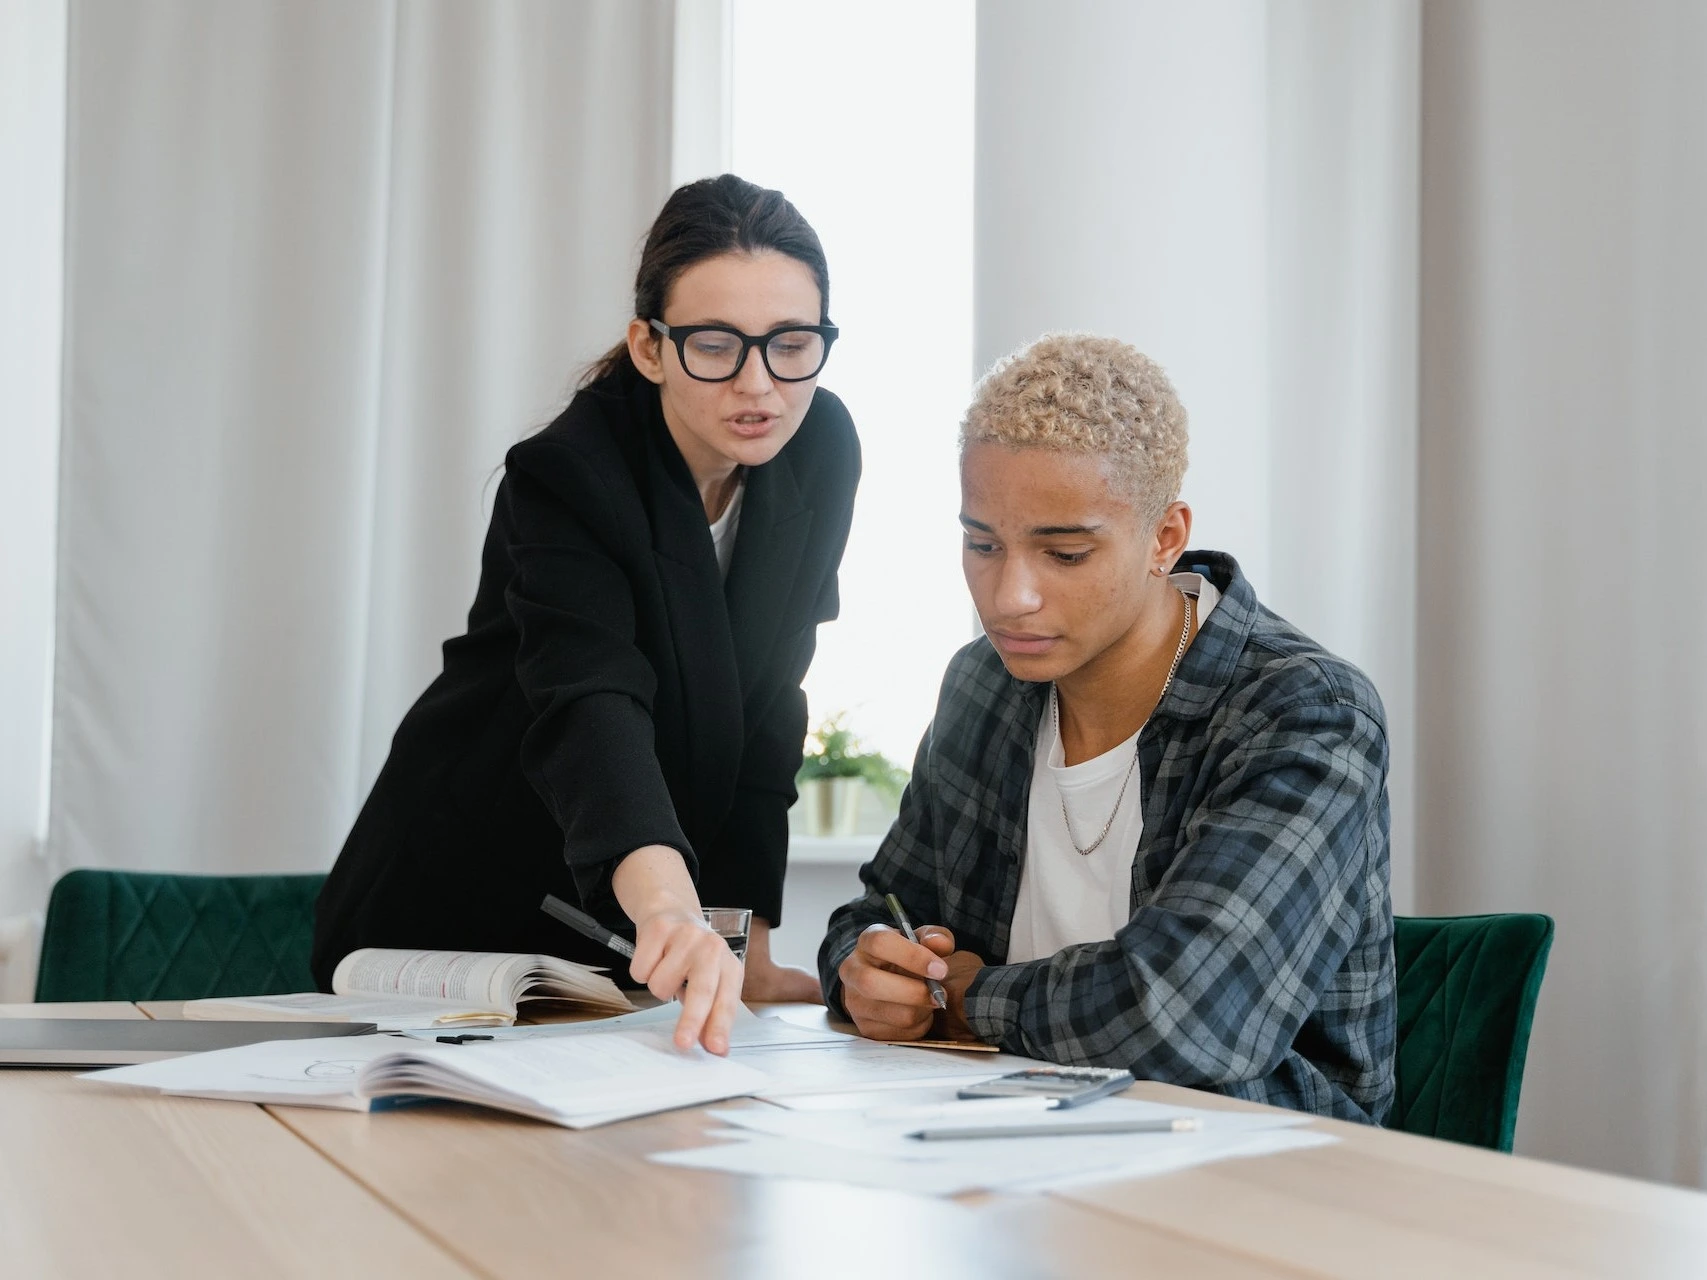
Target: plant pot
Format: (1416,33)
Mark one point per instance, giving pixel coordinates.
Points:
(830,806)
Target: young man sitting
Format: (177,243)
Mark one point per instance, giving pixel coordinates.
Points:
(1147,827)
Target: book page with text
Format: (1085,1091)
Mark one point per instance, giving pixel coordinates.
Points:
(485,978)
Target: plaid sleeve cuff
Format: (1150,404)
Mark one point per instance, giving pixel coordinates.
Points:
(830,970)
(993,1003)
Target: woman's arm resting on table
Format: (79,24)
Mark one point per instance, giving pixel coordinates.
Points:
(768,981)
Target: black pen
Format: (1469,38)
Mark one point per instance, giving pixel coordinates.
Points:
(583,923)
(939,997)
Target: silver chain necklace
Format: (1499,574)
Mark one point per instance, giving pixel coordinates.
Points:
(1055,710)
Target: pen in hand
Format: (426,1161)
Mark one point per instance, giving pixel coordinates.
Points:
(583,923)
(939,997)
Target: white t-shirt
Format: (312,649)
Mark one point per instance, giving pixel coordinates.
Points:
(723,529)
(1066,896)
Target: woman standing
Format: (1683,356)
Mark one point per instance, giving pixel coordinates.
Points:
(622,721)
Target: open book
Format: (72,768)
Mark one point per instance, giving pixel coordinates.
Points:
(572,1080)
(400,989)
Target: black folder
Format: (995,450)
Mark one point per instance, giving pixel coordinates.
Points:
(111,1042)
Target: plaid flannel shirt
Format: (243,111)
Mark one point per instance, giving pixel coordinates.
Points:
(1258,961)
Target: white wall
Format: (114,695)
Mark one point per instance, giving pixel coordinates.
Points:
(1096,210)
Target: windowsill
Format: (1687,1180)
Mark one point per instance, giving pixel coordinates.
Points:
(831,851)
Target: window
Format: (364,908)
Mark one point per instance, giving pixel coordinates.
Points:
(862,115)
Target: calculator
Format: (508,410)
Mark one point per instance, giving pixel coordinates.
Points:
(1069,1086)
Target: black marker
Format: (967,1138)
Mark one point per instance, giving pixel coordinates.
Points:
(583,923)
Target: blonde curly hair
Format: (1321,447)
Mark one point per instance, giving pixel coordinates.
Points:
(1079,393)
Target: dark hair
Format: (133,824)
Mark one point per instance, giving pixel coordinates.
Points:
(701,220)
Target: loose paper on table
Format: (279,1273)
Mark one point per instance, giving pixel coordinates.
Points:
(865,1149)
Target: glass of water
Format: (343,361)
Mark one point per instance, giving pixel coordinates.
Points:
(732,924)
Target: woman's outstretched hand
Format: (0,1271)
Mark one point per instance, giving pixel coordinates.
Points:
(676,954)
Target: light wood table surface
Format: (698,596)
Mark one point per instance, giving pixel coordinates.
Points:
(186,1187)
(102,1182)
(1421,1207)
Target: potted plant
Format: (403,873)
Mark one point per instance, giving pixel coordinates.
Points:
(834,774)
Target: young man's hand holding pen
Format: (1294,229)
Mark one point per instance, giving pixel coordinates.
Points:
(884,984)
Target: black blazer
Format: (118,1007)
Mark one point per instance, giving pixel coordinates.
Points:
(610,692)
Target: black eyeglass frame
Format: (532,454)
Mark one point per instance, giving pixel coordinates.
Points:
(680,333)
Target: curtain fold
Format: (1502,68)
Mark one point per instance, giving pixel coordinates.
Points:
(1244,212)
(1562,618)
(32,216)
(324,263)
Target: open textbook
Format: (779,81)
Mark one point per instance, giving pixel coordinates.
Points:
(399,989)
(575,1080)
(576,1075)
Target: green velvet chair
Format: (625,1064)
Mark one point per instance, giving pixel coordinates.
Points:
(1467,988)
(122,935)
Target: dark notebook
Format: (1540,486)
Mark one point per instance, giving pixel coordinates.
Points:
(107,1042)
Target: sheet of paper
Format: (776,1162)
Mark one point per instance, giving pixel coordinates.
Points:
(761,1034)
(571,1080)
(864,1099)
(882,1129)
(1226,1147)
(313,1072)
(848,1146)
(576,1081)
(749,1031)
(663,1015)
(777,1158)
(866,1064)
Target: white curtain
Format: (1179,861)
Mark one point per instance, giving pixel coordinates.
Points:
(1563,738)
(1232,188)
(32,192)
(325,261)
(1433,284)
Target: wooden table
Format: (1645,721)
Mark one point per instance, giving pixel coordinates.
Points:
(92,1183)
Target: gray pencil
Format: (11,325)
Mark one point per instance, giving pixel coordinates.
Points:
(939,997)
(1184,1124)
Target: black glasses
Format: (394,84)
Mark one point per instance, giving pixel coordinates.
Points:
(715,353)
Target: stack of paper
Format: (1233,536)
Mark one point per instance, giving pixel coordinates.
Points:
(871,1147)
(574,1080)
(872,1065)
